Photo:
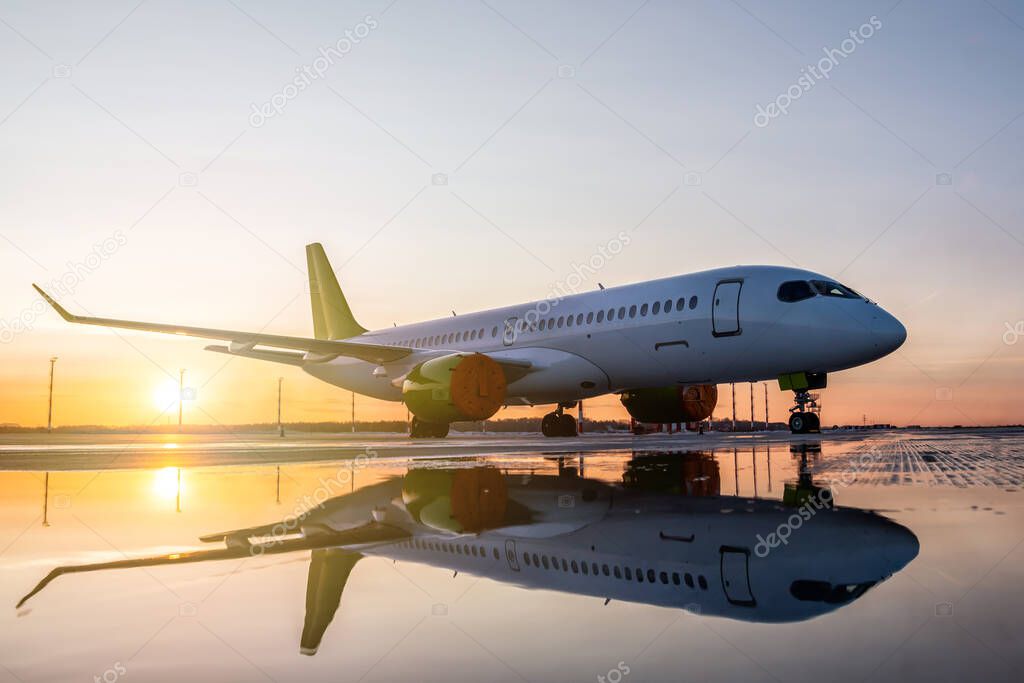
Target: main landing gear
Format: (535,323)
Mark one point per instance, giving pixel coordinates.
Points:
(559,423)
(803,419)
(427,430)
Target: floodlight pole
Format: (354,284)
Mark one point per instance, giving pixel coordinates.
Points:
(49,411)
(732,390)
(766,423)
(181,394)
(280,425)
(751,406)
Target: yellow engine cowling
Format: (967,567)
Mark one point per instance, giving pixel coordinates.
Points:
(671,404)
(455,387)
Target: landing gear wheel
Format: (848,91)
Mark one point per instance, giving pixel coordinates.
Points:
(558,424)
(426,430)
(567,425)
(549,424)
(804,423)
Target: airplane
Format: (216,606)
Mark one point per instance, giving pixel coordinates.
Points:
(662,345)
(664,536)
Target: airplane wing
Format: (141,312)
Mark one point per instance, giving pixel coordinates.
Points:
(374,353)
(360,536)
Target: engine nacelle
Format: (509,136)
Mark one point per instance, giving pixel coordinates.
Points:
(459,386)
(671,404)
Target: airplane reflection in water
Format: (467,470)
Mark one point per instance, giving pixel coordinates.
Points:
(664,536)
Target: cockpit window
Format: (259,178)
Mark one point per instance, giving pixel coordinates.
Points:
(827,288)
(795,290)
(823,591)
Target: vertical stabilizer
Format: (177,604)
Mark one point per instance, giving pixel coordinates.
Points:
(332,318)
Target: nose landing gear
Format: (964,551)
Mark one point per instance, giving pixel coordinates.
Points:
(559,423)
(803,418)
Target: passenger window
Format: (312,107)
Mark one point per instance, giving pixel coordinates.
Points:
(688,578)
(632,311)
(600,317)
(617,572)
(585,568)
(702,582)
(643,310)
(650,575)
(664,577)
(675,578)
(561,321)
(568,321)
(622,312)
(611,314)
(656,308)
(494,331)
(575,567)
(590,317)
(680,303)
(668,305)
(693,302)
(579,319)
(544,560)
(795,290)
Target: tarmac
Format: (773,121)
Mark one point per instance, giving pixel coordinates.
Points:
(980,456)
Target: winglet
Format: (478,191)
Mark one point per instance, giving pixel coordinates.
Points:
(56,306)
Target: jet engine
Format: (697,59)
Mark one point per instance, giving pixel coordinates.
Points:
(459,386)
(670,404)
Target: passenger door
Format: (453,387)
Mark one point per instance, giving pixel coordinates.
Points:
(735,568)
(725,309)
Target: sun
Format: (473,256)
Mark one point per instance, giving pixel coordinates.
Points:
(166,395)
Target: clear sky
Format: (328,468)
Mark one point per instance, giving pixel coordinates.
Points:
(557,125)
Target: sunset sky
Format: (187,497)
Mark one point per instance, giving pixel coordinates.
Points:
(136,173)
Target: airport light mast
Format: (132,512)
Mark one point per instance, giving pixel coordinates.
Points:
(49,410)
(751,406)
(181,394)
(280,426)
(766,407)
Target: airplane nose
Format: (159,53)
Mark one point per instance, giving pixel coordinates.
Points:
(888,332)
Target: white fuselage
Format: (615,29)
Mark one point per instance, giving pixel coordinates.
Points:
(699,554)
(716,326)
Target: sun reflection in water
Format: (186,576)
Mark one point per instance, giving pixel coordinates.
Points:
(167,483)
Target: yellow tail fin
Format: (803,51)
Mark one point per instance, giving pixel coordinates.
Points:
(332,318)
